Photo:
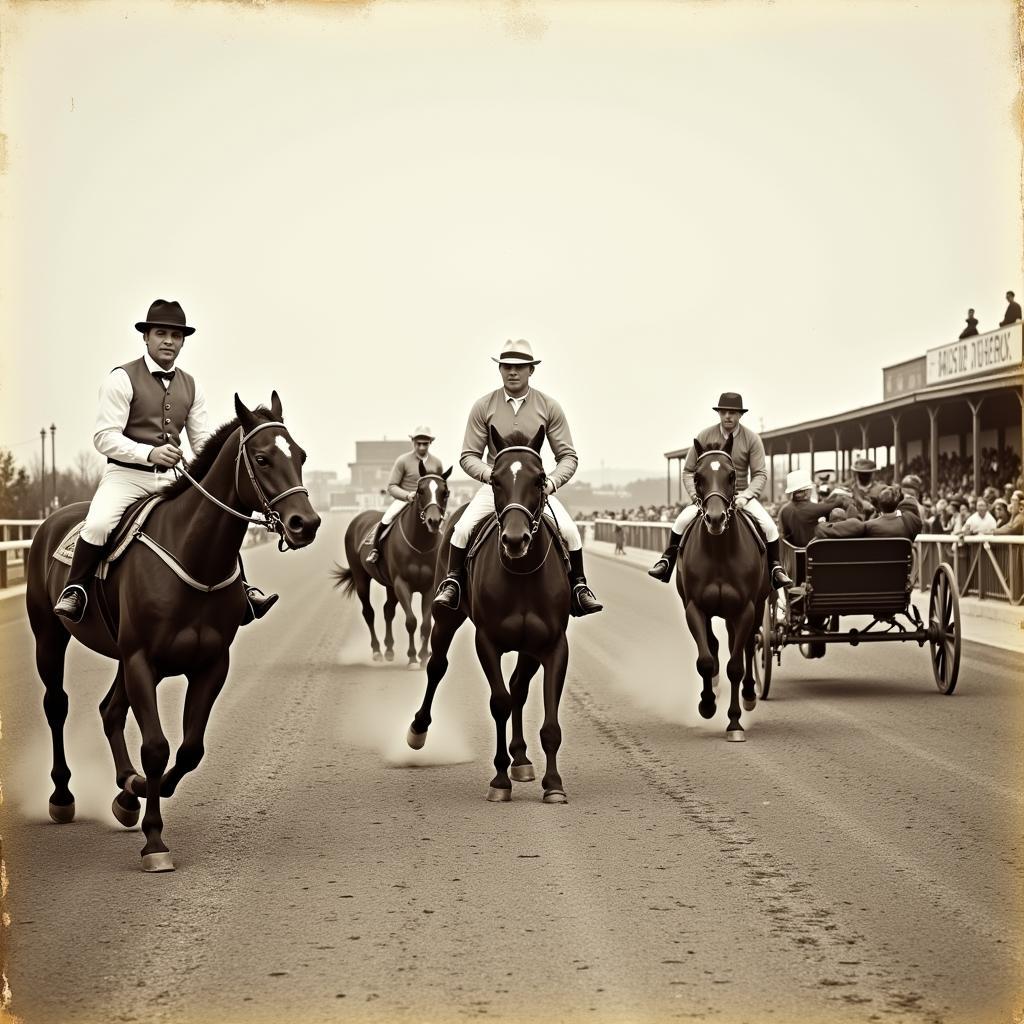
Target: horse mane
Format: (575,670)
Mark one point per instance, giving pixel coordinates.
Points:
(200,465)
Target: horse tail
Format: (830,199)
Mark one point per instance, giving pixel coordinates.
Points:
(343,579)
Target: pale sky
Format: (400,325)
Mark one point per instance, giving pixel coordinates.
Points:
(356,205)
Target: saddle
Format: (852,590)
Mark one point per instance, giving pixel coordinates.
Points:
(367,541)
(483,530)
(126,531)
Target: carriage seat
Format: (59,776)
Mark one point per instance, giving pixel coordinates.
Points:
(860,576)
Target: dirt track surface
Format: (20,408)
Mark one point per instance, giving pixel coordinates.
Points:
(858,859)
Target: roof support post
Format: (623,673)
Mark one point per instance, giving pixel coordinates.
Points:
(789,455)
(933,450)
(771,474)
(897,455)
(864,438)
(976,440)
(839,456)
(668,481)
(810,450)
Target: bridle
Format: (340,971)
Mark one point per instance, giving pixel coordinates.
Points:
(730,502)
(533,517)
(433,501)
(271,520)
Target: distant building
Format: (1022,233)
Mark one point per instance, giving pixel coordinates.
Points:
(372,468)
(320,484)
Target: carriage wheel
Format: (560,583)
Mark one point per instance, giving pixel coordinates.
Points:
(944,628)
(763,651)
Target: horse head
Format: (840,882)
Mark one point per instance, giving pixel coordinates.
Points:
(517,479)
(432,498)
(714,478)
(273,461)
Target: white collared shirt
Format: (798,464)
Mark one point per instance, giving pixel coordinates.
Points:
(112,417)
(517,403)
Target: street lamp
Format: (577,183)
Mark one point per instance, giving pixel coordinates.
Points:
(53,461)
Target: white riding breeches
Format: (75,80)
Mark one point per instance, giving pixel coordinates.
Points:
(482,505)
(118,488)
(754,507)
(392,510)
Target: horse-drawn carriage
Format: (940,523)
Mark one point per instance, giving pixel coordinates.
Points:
(867,577)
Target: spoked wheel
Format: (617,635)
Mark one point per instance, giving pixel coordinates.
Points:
(944,628)
(763,651)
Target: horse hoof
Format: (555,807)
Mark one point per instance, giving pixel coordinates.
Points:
(128,818)
(736,736)
(377,656)
(706,710)
(413,664)
(555,796)
(749,705)
(389,655)
(62,813)
(157,862)
(415,739)
(498,796)
(522,773)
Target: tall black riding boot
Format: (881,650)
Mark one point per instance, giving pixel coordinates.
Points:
(374,552)
(75,596)
(583,600)
(778,574)
(449,593)
(662,568)
(257,604)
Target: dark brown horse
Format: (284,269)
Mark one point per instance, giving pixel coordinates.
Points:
(408,556)
(517,596)
(153,623)
(722,573)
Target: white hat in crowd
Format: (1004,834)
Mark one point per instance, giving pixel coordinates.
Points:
(798,480)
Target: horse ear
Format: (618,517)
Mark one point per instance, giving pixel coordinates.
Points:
(275,406)
(698,448)
(448,472)
(245,417)
(496,441)
(537,440)
(423,472)
(728,446)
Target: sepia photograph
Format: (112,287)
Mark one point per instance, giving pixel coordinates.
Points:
(511,510)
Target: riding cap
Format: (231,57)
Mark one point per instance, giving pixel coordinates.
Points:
(165,313)
(912,481)
(730,402)
(798,480)
(518,352)
(422,431)
(864,466)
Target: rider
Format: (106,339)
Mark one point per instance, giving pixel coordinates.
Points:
(144,406)
(516,406)
(747,458)
(405,475)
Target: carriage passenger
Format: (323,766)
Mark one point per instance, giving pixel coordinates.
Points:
(801,514)
(898,516)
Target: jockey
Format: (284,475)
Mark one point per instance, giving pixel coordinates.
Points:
(405,476)
(748,459)
(516,406)
(144,406)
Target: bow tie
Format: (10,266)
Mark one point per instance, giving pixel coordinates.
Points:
(164,375)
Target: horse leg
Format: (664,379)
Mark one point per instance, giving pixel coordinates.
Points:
(404,595)
(739,635)
(749,691)
(427,601)
(52,641)
(519,686)
(713,648)
(140,684)
(700,627)
(363,591)
(114,711)
(500,789)
(204,686)
(390,604)
(555,663)
(442,633)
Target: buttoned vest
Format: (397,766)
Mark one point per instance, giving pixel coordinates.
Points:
(157,415)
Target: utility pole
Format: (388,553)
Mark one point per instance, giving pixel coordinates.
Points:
(53,461)
(42,472)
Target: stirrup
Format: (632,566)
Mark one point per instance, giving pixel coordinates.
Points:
(662,569)
(72,613)
(779,577)
(579,591)
(454,602)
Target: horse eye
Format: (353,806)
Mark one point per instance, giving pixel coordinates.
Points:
(261,460)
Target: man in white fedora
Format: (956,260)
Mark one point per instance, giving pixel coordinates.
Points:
(751,476)
(516,406)
(802,513)
(404,479)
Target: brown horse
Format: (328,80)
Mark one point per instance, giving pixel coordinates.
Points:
(517,595)
(169,612)
(721,572)
(408,555)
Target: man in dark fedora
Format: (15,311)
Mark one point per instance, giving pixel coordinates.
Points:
(516,406)
(864,488)
(751,477)
(144,406)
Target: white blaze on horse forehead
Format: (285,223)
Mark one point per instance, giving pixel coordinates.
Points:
(433,491)
(283,445)
(716,465)
(515,467)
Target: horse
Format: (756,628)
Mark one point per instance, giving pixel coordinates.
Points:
(721,572)
(517,595)
(408,555)
(170,605)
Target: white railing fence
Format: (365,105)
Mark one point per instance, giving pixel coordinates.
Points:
(987,567)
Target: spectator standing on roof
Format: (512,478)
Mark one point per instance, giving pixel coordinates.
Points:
(1013,313)
(972,326)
